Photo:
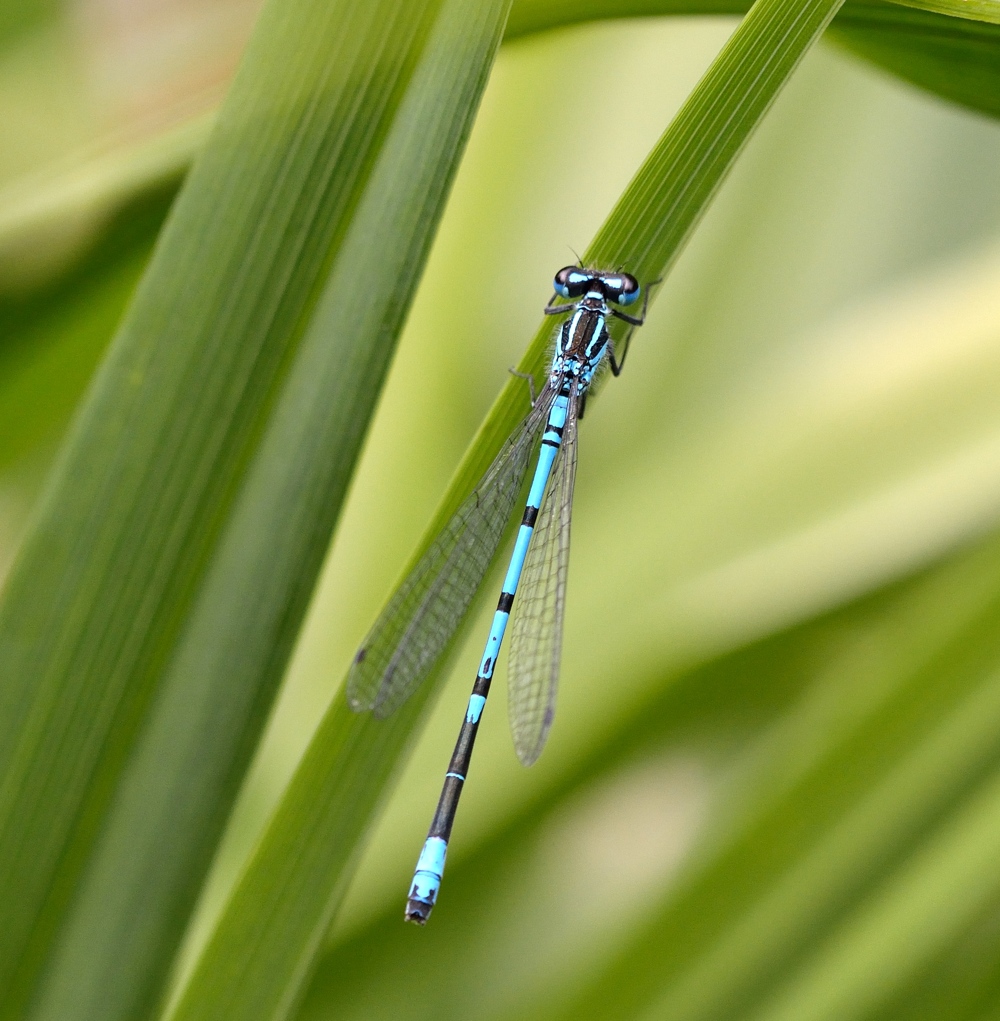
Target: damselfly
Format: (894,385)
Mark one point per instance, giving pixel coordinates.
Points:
(416,625)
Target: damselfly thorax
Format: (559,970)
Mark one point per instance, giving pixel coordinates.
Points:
(583,340)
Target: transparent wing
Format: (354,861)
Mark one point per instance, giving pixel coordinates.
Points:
(537,627)
(423,614)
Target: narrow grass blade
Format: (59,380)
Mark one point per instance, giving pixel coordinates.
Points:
(268,937)
(143,875)
(171,560)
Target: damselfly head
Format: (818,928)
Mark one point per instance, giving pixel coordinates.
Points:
(574,282)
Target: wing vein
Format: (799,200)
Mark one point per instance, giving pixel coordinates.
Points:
(417,623)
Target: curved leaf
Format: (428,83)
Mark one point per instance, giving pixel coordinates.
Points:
(955,58)
(950,48)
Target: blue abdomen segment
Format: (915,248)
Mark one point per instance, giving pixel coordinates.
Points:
(489,660)
(546,456)
(475,710)
(426,880)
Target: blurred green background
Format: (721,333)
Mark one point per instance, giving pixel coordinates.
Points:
(770,791)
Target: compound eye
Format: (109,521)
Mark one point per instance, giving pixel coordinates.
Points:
(623,289)
(572,281)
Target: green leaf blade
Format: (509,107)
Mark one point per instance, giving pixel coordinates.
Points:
(246,617)
(137,604)
(955,58)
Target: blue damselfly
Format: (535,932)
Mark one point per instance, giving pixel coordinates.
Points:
(421,617)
